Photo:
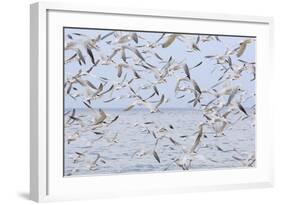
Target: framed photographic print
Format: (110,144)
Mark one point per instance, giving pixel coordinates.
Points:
(127,102)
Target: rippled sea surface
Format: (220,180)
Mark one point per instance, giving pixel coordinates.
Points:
(124,155)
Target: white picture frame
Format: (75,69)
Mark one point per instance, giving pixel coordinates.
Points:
(46,179)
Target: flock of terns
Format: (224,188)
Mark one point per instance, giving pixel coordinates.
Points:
(132,58)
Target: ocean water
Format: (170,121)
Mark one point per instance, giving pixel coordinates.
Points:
(124,153)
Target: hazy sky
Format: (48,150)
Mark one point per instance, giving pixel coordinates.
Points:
(178,50)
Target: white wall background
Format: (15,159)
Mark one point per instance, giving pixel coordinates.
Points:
(14,101)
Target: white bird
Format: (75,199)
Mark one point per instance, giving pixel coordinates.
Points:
(73,137)
(99,117)
(242,47)
(94,164)
(143,152)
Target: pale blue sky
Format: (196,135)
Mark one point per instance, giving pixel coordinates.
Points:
(178,50)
